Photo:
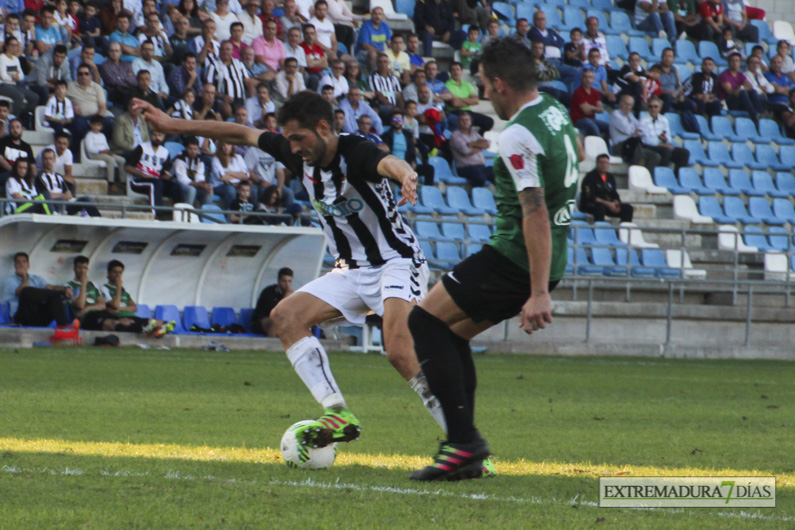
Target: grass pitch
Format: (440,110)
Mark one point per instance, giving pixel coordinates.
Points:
(127,438)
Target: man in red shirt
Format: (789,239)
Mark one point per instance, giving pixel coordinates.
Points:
(316,61)
(711,13)
(267,14)
(586,103)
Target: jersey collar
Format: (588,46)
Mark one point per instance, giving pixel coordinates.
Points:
(531,103)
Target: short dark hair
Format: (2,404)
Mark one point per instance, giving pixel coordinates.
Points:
(84,65)
(233,24)
(80,259)
(285,271)
(455,63)
(603,155)
(290,60)
(5,103)
(88,46)
(60,48)
(327,87)
(63,134)
(733,54)
(141,72)
(396,112)
(319,2)
(188,55)
(48,150)
(509,59)
(307,108)
(48,9)
(115,263)
(96,118)
(573,30)
(658,68)
(61,82)
(22,255)
(339,111)
(243,183)
(190,140)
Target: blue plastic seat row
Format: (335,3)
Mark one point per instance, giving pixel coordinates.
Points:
(759,184)
(764,156)
(444,255)
(199,316)
(619,262)
(431,200)
(777,239)
(601,233)
(733,211)
(452,231)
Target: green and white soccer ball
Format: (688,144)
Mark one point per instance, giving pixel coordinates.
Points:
(302,456)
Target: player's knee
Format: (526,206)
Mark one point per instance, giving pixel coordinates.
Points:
(285,317)
(423,327)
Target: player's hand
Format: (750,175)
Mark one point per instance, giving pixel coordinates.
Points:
(536,313)
(409,190)
(156,118)
(69,293)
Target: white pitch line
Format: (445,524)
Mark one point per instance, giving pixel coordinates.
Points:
(309,483)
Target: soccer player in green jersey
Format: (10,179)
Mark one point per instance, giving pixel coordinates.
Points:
(536,178)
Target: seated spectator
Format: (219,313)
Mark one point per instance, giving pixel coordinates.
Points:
(48,35)
(470,50)
(400,143)
(755,76)
(188,168)
(399,61)
(117,75)
(434,22)
(787,116)
(289,81)
(260,72)
(49,69)
(206,46)
(97,148)
(327,93)
(206,107)
(657,137)
(672,92)
(336,79)
(651,85)
(326,33)
(148,62)
(223,20)
(293,48)
(438,87)
(553,49)
(354,108)
(574,50)
(129,131)
(412,50)
(292,17)
(686,18)
(183,108)
(316,59)
(88,99)
(339,121)
(372,40)
(428,136)
(784,50)
(269,50)
(600,82)
(473,12)
(355,77)
(782,84)
(129,44)
(270,296)
(227,171)
(547,73)
(712,20)
(59,112)
(123,308)
(259,106)
(5,116)
(143,90)
(344,22)
(64,159)
(655,17)
(236,39)
(21,187)
(266,14)
(410,122)
(631,80)
(365,130)
(410,91)
(87,303)
(232,80)
(599,196)
(252,24)
(12,78)
(626,133)
(586,103)
(727,45)
(703,91)
(32,301)
(180,41)
(737,92)
(593,38)
(57,189)
(12,147)
(266,171)
(736,19)
(464,96)
(148,167)
(241,204)
(86,57)
(467,147)
(386,87)
(184,77)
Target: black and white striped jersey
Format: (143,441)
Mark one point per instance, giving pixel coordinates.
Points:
(357,209)
(389,86)
(229,79)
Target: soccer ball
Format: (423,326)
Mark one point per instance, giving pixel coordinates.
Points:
(295,454)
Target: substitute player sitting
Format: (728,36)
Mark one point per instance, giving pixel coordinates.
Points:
(536,179)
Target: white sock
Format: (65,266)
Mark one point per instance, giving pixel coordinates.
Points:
(311,364)
(419,384)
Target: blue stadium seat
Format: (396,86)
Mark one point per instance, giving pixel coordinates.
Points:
(741,153)
(174,148)
(619,21)
(714,180)
(697,154)
(602,257)
(686,52)
(431,196)
(641,47)
(447,254)
(583,264)
(442,171)
(658,45)
(764,182)
(764,32)
(786,154)
(244,318)
(168,313)
(675,122)
(569,260)
(767,156)
(604,6)
(707,48)
(553,16)
(754,237)
(196,315)
(453,231)
(572,18)
(783,209)
(143,311)
(722,127)
(458,198)
(689,179)
(406,7)
(770,129)
(746,129)
(710,207)
(505,12)
(739,180)
(636,269)
(428,230)
(472,248)
(665,177)
(582,233)
(786,182)
(223,316)
(779,239)
(525,10)
(480,233)
(616,47)
(685,69)
(212,214)
(703,126)
(734,207)
(605,234)
(759,207)
(4,310)
(655,259)
(718,152)
(427,249)
(580,4)
(483,198)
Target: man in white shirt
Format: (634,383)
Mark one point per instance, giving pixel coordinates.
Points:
(324,27)
(657,137)
(289,81)
(188,168)
(55,184)
(292,48)
(147,62)
(64,160)
(252,24)
(223,19)
(654,16)
(259,106)
(353,107)
(335,79)
(625,135)
(594,39)
(757,78)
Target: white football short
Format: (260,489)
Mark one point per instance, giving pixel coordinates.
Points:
(356,292)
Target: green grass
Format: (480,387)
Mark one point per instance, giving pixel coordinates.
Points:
(127,438)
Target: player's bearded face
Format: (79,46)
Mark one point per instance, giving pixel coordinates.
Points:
(315,153)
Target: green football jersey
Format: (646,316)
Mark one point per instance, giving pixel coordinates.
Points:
(538,149)
(109,292)
(92,293)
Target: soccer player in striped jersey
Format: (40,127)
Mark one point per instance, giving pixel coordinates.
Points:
(379,265)
(536,178)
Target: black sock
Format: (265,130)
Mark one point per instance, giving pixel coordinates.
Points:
(442,366)
(468,367)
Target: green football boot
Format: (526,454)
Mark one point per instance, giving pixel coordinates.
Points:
(338,424)
(489,471)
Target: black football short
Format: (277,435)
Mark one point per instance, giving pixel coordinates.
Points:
(487,286)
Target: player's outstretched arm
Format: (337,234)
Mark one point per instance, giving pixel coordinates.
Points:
(537,311)
(396,169)
(229,132)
